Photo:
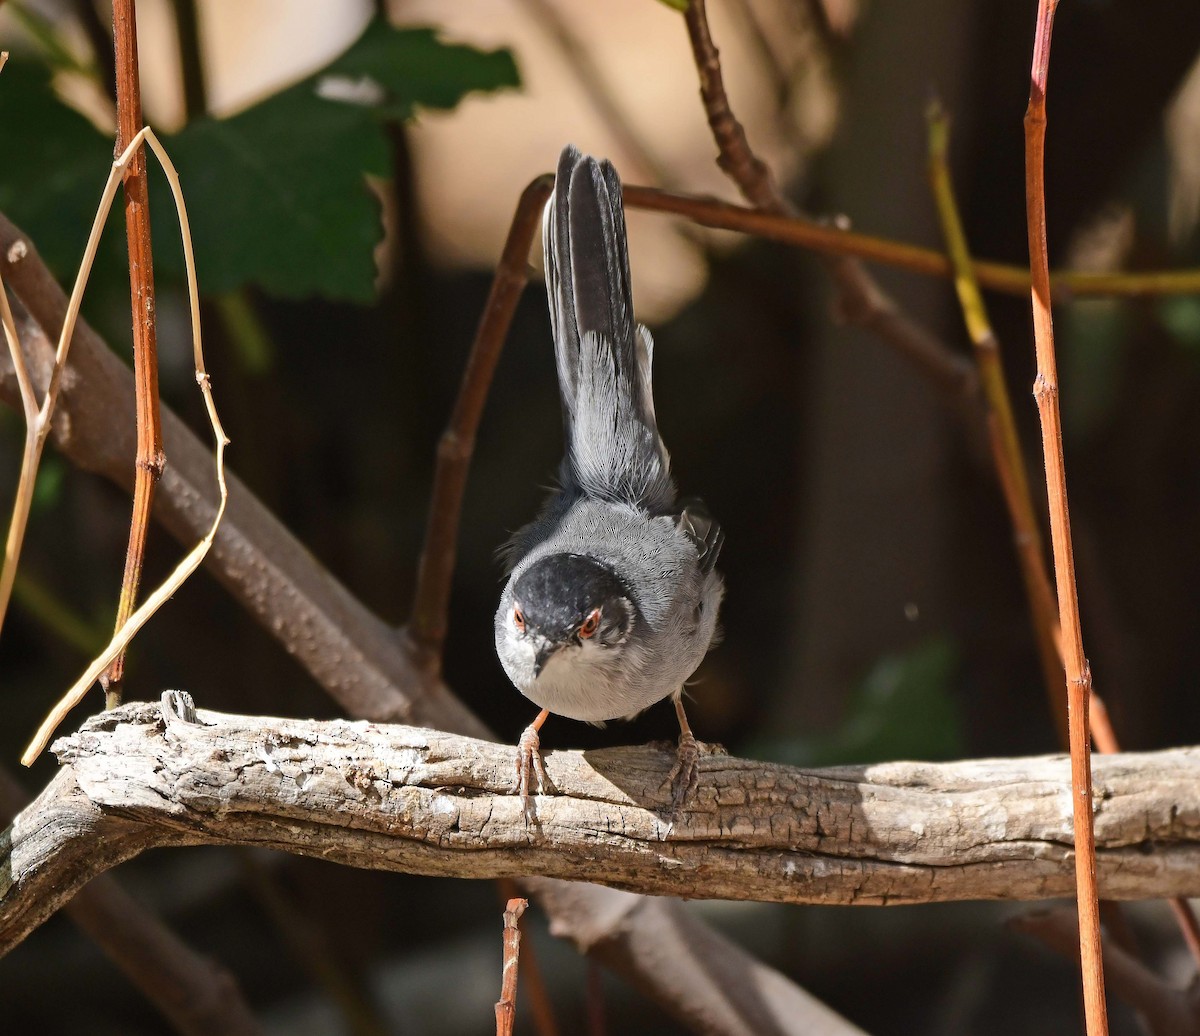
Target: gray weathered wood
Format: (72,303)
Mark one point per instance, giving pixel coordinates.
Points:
(415,800)
(367,667)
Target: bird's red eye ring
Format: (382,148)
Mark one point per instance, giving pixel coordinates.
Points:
(518,618)
(589,625)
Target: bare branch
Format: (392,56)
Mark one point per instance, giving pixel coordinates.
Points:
(671,956)
(861,301)
(1014,480)
(1078,672)
(195,993)
(1167,1011)
(506,1006)
(431,600)
(837,241)
(420,801)
(150,457)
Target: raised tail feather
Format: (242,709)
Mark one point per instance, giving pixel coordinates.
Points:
(614,451)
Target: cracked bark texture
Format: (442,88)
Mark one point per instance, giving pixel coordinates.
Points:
(674,958)
(420,801)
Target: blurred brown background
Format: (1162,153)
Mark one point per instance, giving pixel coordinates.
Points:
(874,607)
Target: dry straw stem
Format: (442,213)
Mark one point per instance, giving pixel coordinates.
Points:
(150,459)
(417,800)
(506,1006)
(1010,468)
(1007,454)
(38,419)
(1078,673)
(126,632)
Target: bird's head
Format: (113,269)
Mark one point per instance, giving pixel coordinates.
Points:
(564,607)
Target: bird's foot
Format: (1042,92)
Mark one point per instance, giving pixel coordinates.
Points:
(685,775)
(530,764)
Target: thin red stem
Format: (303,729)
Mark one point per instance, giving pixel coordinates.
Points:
(506,1006)
(826,239)
(431,601)
(537,996)
(150,459)
(1078,673)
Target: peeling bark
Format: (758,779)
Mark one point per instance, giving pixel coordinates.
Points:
(420,801)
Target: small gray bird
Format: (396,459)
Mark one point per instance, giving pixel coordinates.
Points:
(612,596)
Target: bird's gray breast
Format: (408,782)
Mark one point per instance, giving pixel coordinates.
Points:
(676,601)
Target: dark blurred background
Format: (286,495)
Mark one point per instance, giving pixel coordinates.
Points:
(874,607)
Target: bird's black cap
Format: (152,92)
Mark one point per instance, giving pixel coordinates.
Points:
(556,593)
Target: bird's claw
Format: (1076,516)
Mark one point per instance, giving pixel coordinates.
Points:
(685,774)
(530,764)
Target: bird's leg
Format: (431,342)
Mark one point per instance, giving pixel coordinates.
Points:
(529,757)
(686,773)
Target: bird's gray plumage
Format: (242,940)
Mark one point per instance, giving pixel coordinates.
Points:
(649,560)
(614,451)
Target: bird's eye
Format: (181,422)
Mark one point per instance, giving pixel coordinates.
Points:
(589,625)
(518,618)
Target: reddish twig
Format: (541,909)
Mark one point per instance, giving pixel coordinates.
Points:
(506,1006)
(1078,673)
(537,996)
(150,458)
(431,601)
(861,301)
(1007,455)
(825,239)
(1010,468)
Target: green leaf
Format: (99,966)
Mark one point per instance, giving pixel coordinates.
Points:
(903,709)
(55,166)
(276,196)
(416,69)
(276,193)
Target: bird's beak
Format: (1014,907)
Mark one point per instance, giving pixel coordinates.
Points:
(544,654)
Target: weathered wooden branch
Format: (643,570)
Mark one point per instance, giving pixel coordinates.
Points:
(670,955)
(195,993)
(420,801)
